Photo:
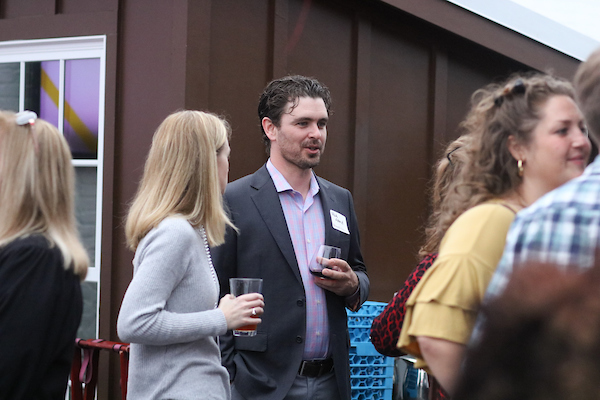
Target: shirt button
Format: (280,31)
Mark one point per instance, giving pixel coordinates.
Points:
(298,339)
(307,240)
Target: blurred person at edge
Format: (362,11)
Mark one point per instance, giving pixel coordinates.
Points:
(542,338)
(42,260)
(385,330)
(169,312)
(563,227)
(530,138)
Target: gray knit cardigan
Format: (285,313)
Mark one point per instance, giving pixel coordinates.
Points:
(168,315)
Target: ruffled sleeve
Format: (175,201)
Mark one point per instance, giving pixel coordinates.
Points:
(444,304)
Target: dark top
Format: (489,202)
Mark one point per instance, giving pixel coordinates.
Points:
(40,311)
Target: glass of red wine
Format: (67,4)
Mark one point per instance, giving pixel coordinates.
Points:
(322,258)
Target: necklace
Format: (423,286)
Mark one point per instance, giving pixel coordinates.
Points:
(515,200)
(210,263)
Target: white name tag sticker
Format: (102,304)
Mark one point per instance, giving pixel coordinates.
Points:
(338,221)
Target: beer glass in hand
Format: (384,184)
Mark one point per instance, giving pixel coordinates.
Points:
(239,286)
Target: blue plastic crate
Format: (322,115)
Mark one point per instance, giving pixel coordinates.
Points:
(370,308)
(359,322)
(371,373)
(360,334)
(366,361)
(372,382)
(363,318)
(360,370)
(410,384)
(363,349)
(362,354)
(371,394)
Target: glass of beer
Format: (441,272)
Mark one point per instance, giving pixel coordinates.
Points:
(322,259)
(239,286)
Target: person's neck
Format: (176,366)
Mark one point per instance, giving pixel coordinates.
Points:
(515,199)
(298,178)
(525,194)
(533,190)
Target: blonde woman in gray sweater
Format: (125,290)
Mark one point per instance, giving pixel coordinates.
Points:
(171,312)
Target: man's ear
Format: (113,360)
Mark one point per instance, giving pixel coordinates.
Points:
(269,128)
(515,148)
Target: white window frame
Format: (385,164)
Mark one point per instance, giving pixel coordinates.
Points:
(62,49)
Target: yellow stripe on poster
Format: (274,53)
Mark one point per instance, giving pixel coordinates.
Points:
(81,130)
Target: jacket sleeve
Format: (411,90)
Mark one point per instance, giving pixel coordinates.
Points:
(355,258)
(225,263)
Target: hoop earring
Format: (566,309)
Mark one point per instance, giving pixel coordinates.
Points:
(520,167)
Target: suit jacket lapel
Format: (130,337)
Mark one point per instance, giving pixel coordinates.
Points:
(327,202)
(267,202)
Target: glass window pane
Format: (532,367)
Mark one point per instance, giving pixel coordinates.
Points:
(85,208)
(82,94)
(41,89)
(9,86)
(49,84)
(33,78)
(87,328)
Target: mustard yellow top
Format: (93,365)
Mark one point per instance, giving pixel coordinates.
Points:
(444,303)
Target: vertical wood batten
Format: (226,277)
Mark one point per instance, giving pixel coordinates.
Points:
(439,84)
(280,21)
(197,62)
(110,221)
(361,122)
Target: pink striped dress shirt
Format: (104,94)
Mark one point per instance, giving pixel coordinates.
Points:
(306,225)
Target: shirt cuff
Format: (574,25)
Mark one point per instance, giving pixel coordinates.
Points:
(353,301)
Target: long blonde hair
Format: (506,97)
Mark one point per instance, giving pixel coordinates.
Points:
(37,188)
(181,177)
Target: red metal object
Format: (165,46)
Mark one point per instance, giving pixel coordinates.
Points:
(84,376)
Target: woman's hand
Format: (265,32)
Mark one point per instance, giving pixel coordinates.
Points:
(242,310)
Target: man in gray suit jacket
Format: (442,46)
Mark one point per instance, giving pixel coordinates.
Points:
(283,212)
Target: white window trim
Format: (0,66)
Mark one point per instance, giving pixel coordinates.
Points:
(62,49)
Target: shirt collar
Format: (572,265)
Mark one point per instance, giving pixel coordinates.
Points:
(282,185)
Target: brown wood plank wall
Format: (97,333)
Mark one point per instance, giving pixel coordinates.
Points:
(400,76)
(400,86)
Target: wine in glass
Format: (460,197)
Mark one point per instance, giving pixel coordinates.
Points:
(322,259)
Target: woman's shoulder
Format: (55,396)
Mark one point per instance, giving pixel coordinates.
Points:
(30,244)
(174,231)
(480,217)
(479,232)
(27,252)
(490,210)
(175,223)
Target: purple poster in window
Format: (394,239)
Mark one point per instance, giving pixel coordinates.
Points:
(49,91)
(82,96)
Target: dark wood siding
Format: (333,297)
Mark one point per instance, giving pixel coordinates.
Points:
(401,73)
